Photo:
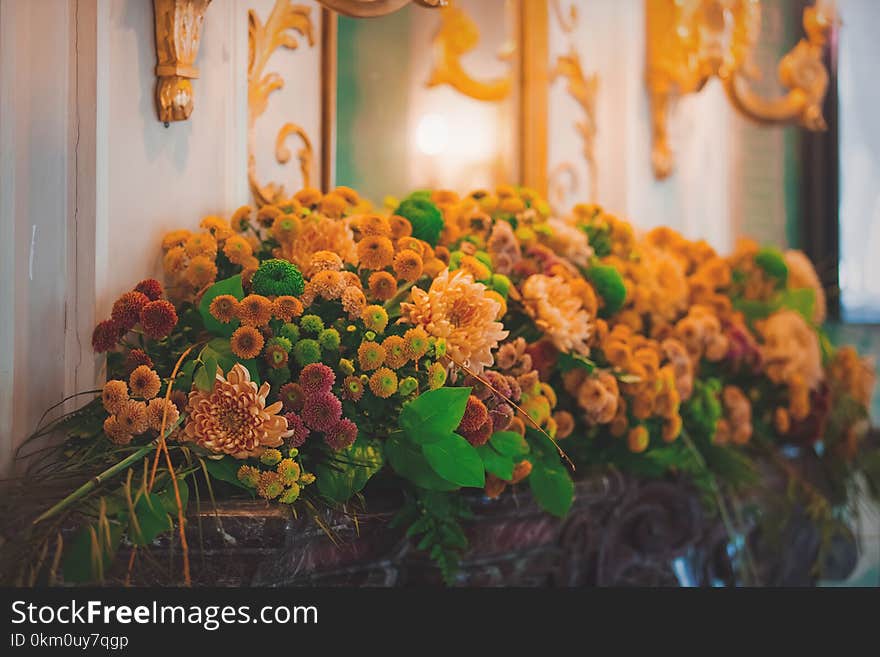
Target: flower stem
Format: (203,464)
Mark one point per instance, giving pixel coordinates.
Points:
(99,479)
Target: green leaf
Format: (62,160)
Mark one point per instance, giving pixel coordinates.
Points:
(456,460)
(434,414)
(552,487)
(169,501)
(802,300)
(78,565)
(407,461)
(349,471)
(225,469)
(206,374)
(184,380)
(571,361)
(772,261)
(499,465)
(231,286)
(609,285)
(152,519)
(509,443)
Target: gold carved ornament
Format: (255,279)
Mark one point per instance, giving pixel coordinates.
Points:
(178,33)
(691,41)
(263,40)
(584,90)
(458,35)
(375,8)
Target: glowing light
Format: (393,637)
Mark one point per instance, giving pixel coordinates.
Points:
(432,134)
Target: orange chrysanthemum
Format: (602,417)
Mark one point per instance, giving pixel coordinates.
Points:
(333,205)
(286,308)
(247,342)
(255,310)
(373,224)
(308,196)
(144,382)
(132,415)
(232,418)
(114,395)
(375,252)
(400,226)
(382,285)
(224,308)
(396,355)
(408,265)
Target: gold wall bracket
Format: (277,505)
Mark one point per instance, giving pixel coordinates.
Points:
(178,33)
(691,41)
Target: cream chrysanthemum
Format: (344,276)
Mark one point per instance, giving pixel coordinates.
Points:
(558,312)
(569,242)
(233,418)
(791,349)
(458,309)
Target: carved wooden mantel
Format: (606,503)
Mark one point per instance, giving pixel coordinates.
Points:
(178,33)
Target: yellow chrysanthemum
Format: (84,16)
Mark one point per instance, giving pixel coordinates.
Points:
(175,238)
(217,226)
(383,382)
(201,244)
(241,218)
(238,249)
(200,271)
(286,228)
(175,261)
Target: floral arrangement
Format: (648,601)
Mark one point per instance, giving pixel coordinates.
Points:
(444,343)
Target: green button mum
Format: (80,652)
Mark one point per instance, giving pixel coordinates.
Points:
(276,277)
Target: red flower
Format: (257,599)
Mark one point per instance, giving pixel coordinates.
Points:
(158,318)
(150,287)
(136,358)
(475,415)
(479,436)
(106,335)
(341,435)
(127,309)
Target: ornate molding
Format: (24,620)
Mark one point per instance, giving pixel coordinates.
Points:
(691,41)
(263,40)
(375,8)
(583,89)
(458,35)
(178,33)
